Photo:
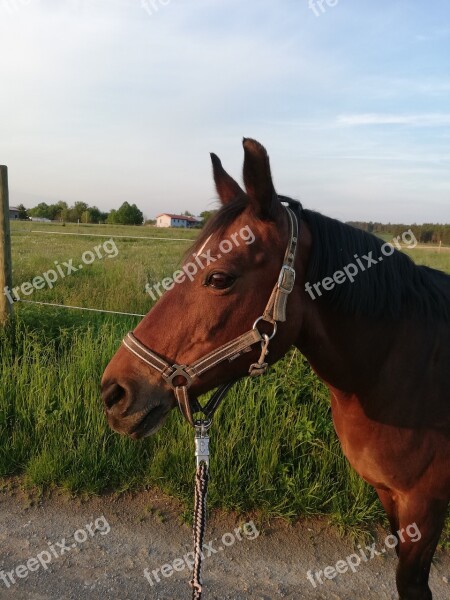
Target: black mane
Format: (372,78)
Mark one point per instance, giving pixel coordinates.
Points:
(392,288)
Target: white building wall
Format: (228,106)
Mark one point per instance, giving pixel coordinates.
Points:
(163,221)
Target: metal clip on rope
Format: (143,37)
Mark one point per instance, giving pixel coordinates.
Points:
(202,442)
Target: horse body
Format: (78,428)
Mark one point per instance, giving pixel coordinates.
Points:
(380,343)
(389,383)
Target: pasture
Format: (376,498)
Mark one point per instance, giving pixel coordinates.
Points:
(273,445)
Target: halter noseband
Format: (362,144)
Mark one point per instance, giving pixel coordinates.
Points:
(274,312)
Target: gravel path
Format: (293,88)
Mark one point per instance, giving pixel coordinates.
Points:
(98,549)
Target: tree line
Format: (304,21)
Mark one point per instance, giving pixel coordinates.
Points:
(427,233)
(127,214)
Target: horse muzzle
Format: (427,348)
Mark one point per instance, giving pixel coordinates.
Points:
(135,409)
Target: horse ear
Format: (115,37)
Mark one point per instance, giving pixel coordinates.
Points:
(258,179)
(227,188)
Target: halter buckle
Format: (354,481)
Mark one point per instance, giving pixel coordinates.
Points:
(286,279)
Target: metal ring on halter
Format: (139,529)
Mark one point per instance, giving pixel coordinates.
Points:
(177,371)
(263,319)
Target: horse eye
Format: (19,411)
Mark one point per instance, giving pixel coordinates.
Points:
(220,281)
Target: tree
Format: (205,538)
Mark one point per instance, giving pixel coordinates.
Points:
(86,217)
(23,214)
(112,217)
(40,211)
(60,209)
(206,215)
(64,215)
(78,209)
(91,215)
(129,215)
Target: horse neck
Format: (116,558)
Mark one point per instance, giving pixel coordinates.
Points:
(345,351)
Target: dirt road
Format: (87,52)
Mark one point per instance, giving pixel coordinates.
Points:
(66,549)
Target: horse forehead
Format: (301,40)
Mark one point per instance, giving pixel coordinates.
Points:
(200,250)
(243,236)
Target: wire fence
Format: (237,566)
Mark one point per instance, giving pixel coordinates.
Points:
(111,235)
(97,310)
(102,235)
(130,237)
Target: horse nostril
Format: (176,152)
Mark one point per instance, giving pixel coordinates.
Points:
(112,395)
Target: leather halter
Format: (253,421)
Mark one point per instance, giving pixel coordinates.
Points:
(274,312)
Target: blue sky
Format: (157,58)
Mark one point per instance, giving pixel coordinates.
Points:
(113,100)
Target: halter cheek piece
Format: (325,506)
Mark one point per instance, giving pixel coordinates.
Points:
(274,312)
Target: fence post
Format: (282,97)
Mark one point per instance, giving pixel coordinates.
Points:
(5,247)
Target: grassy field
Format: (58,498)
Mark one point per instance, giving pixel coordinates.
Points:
(275,452)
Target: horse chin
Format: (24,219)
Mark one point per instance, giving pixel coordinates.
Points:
(150,423)
(146,423)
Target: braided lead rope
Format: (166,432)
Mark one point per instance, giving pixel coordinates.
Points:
(201,490)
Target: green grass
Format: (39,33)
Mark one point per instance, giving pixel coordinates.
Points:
(273,446)
(275,452)
(432,258)
(108,283)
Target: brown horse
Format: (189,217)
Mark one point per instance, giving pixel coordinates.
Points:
(375,328)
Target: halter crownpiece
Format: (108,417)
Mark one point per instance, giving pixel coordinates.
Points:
(274,312)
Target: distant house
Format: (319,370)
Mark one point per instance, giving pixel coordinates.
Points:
(168,220)
(13,212)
